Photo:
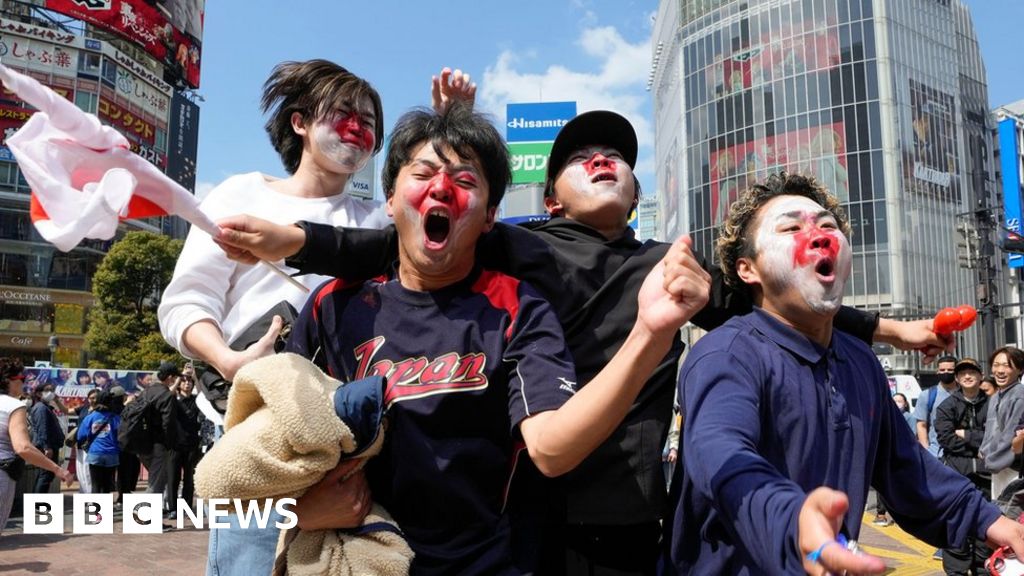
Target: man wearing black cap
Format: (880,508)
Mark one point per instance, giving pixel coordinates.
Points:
(162,415)
(587,263)
(960,428)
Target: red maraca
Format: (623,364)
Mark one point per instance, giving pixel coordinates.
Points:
(950,320)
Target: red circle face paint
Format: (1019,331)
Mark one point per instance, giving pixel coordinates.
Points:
(814,241)
(597,163)
(351,130)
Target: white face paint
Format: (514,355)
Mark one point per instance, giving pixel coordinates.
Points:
(800,247)
(597,171)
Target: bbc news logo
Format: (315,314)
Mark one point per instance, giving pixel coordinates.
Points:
(143,513)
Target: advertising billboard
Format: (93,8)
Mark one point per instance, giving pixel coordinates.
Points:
(183,141)
(74,384)
(933,138)
(819,151)
(794,46)
(1009,158)
(169,30)
(529,161)
(538,121)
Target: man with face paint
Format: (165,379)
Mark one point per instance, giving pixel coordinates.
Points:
(476,364)
(325,123)
(788,422)
(587,263)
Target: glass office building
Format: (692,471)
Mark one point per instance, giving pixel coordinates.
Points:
(866,95)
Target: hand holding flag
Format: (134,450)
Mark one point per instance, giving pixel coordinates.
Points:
(83,174)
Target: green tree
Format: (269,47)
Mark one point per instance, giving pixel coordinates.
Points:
(123,330)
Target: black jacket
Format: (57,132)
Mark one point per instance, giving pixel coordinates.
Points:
(162,413)
(592,283)
(958,413)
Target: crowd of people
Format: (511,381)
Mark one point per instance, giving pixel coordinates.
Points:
(531,372)
(38,429)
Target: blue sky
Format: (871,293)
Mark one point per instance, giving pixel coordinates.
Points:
(596,53)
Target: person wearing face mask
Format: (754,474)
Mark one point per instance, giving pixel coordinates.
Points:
(47,434)
(928,405)
(1006,407)
(325,124)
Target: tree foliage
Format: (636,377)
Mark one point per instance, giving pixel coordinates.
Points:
(123,330)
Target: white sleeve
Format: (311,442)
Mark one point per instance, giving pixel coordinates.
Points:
(198,289)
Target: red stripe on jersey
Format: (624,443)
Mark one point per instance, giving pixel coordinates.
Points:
(517,450)
(331,287)
(502,292)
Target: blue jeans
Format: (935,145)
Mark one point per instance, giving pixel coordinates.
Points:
(238,551)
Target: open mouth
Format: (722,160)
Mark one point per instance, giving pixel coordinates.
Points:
(437,225)
(825,269)
(605,177)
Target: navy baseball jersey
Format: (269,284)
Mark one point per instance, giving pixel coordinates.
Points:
(464,365)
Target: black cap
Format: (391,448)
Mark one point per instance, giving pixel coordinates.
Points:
(966,364)
(167,369)
(594,128)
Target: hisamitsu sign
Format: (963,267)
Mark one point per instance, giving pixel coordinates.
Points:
(537,122)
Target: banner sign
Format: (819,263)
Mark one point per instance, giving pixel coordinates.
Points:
(183,141)
(537,122)
(171,31)
(126,122)
(529,161)
(74,384)
(1009,157)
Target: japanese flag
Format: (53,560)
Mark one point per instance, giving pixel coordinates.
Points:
(83,175)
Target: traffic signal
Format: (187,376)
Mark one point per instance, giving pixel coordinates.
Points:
(1013,242)
(966,244)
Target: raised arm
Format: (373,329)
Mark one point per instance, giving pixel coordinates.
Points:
(558,440)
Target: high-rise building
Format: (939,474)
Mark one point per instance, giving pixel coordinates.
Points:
(883,101)
(1010,163)
(133,67)
(647,218)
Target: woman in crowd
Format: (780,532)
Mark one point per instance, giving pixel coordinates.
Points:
(904,405)
(81,467)
(15,445)
(98,434)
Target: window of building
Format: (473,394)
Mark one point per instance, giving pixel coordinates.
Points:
(87,101)
(109,74)
(160,140)
(88,64)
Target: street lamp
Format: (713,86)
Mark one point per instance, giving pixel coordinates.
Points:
(53,344)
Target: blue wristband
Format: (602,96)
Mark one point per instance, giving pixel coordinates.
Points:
(813,557)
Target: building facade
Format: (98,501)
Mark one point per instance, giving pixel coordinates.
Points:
(880,100)
(45,292)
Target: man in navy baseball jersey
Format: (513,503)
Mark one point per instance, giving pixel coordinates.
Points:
(788,422)
(476,361)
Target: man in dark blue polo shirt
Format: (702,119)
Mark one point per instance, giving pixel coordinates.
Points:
(787,422)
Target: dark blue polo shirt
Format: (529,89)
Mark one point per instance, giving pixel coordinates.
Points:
(464,366)
(768,417)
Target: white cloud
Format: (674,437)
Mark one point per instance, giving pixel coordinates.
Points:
(618,84)
(203,188)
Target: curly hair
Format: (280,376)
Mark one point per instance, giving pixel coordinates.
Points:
(735,240)
(312,88)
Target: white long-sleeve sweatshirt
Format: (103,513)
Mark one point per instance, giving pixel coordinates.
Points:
(208,286)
